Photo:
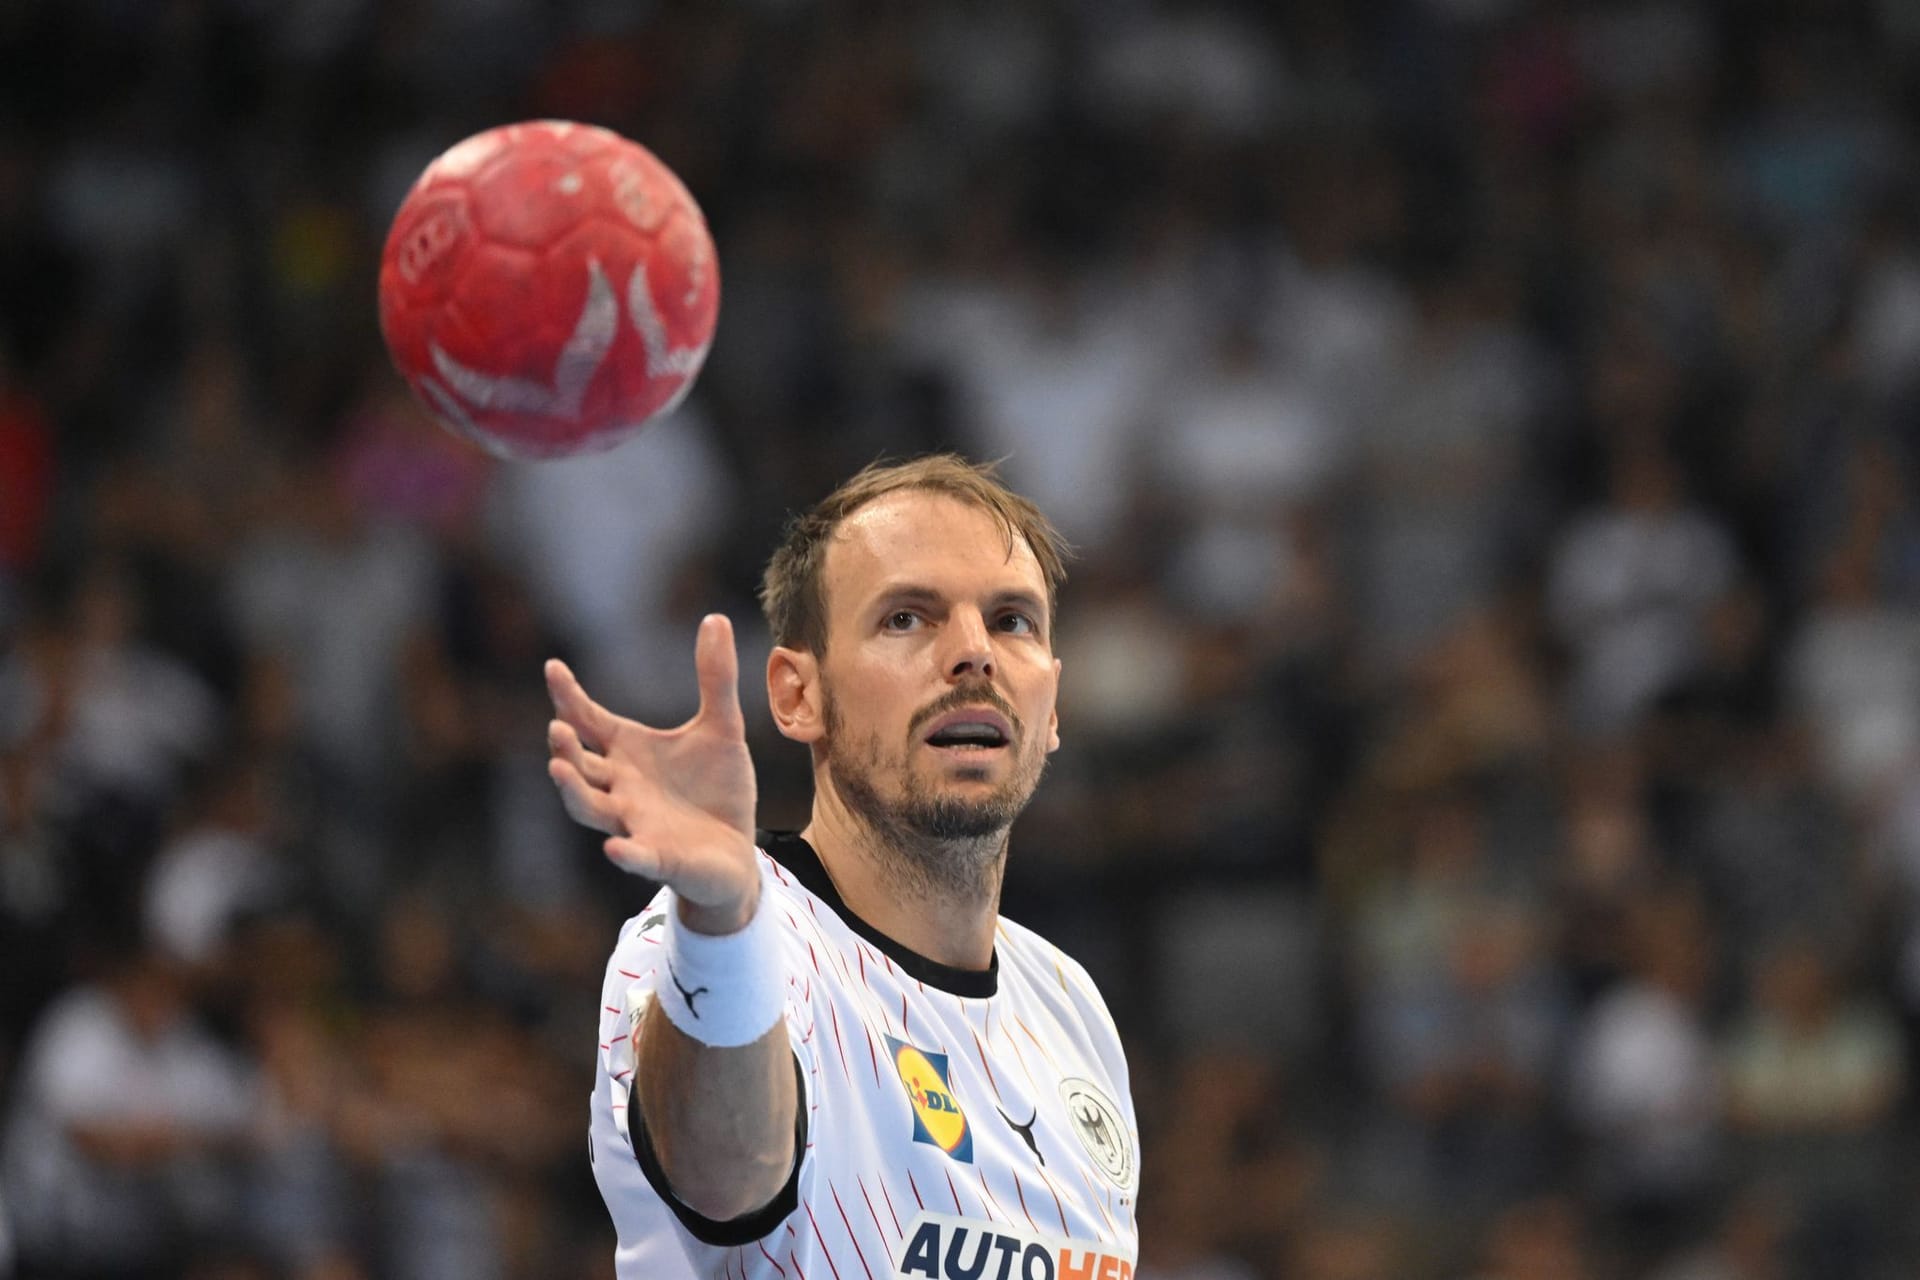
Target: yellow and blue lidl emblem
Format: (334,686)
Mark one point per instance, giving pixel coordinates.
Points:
(937,1117)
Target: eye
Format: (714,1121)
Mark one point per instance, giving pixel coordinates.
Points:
(901,620)
(1017,624)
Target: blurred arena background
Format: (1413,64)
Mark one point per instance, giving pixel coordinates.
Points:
(1491,791)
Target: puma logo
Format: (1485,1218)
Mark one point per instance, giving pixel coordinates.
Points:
(1026,1132)
(691,996)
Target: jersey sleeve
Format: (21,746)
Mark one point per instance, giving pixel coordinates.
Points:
(632,973)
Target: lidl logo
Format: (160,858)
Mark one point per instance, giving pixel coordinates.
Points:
(937,1117)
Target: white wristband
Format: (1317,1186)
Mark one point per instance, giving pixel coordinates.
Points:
(724,990)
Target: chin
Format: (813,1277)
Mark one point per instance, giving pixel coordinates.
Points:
(963,820)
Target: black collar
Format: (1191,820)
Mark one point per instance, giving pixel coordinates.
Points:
(798,857)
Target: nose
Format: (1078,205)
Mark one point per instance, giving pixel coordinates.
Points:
(969,650)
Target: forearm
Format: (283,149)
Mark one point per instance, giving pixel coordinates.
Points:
(721,1121)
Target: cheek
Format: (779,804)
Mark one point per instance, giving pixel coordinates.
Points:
(1038,701)
(869,700)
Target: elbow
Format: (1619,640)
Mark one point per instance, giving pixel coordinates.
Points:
(725,1186)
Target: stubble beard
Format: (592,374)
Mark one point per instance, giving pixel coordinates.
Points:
(929,845)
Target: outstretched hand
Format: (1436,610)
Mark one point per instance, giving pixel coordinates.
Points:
(676,805)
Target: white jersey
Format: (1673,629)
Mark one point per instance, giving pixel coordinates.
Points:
(958,1125)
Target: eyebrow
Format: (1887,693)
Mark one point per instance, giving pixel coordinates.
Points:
(913,593)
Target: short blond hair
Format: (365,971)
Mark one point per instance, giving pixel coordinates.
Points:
(793,592)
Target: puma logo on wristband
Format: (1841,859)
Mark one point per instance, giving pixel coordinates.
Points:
(739,974)
(688,996)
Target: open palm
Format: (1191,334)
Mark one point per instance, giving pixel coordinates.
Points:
(676,804)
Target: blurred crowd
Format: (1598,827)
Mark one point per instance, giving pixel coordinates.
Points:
(1491,791)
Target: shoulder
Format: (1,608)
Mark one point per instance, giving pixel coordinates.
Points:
(1035,958)
(1034,969)
(782,895)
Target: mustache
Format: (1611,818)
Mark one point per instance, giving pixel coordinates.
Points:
(967,696)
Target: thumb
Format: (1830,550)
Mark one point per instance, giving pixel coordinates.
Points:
(717,664)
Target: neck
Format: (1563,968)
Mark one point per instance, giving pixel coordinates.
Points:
(940,898)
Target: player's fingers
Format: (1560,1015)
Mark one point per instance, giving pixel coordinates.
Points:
(586,804)
(594,723)
(565,744)
(718,663)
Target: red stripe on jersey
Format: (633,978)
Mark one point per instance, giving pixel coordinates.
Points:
(841,1043)
(824,1251)
(1036,1043)
(795,1264)
(858,1252)
(1097,1198)
(846,974)
(982,1051)
(1059,1208)
(885,1195)
(770,1258)
(878,1227)
(874,1054)
(624,1074)
(1022,1192)
(1019,1057)
(609,1008)
(911,1183)
(956,1196)
(987,1196)
(813,957)
(903,1016)
(778,874)
(626,973)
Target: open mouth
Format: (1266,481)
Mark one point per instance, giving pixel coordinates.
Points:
(970,731)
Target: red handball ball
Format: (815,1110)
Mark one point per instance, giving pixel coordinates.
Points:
(548,288)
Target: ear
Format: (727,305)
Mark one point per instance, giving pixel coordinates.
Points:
(793,694)
(1053,716)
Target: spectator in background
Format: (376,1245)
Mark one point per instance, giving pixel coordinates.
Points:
(1814,1071)
(1853,675)
(1644,1088)
(1239,1182)
(298,1204)
(224,866)
(1444,461)
(98,731)
(111,1158)
(325,599)
(1630,587)
(1460,1019)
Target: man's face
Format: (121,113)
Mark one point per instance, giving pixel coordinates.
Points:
(939,677)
